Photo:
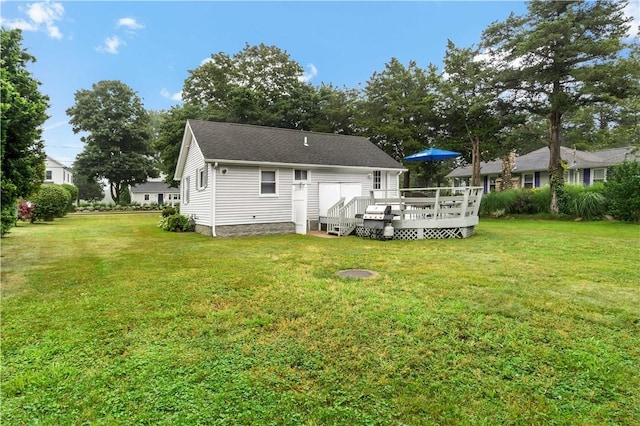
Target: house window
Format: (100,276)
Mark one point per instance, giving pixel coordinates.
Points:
(48,175)
(599,175)
(300,175)
(267,182)
(573,176)
(146,197)
(377,179)
(527,180)
(187,183)
(492,183)
(201,178)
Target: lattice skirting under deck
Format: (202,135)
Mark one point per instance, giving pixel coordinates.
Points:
(423,233)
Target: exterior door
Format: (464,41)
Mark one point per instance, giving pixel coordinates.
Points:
(300,195)
(330,193)
(160,198)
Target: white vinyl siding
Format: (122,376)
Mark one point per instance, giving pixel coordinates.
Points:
(198,203)
(238,200)
(56,173)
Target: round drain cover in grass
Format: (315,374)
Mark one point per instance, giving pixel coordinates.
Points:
(357,273)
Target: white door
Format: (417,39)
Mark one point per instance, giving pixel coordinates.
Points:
(330,193)
(300,207)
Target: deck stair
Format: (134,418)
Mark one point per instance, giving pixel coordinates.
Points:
(342,218)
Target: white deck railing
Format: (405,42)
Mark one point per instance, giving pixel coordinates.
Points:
(412,207)
(433,203)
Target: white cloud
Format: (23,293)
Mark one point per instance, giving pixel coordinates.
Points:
(632,10)
(111,45)
(41,17)
(175,97)
(129,23)
(308,75)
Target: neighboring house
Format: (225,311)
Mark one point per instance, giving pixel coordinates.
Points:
(531,170)
(56,172)
(241,179)
(155,192)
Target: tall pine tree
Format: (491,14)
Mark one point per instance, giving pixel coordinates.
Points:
(560,56)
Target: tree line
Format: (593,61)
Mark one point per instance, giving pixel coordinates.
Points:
(563,73)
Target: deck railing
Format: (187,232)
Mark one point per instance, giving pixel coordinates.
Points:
(409,206)
(342,218)
(433,203)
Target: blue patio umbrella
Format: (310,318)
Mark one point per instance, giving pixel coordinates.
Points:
(431,154)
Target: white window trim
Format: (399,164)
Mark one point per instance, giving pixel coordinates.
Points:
(260,170)
(185,186)
(524,179)
(593,175)
(201,178)
(377,173)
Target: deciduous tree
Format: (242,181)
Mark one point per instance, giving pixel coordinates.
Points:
(117,135)
(259,85)
(23,113)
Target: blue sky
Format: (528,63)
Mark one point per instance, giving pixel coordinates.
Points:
(152,45)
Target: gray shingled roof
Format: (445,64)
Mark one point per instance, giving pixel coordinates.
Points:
(154,187)
(241,142)
(538,160)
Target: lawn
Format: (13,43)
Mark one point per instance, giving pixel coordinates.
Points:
(106,319)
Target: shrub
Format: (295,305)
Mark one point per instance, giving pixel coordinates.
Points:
(176,223)
(8,217)
(498,201)
(125,197)
(73,192)
(50,201)
(25,210)
(168,211)
(622,191)
(586,202)
(540,199)
(8,208)
(588,205)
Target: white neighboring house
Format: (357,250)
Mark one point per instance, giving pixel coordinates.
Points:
(155,192)
(56,172)
(239,179)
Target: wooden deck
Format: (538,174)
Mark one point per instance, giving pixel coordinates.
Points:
(419,213)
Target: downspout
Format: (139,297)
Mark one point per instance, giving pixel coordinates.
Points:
(213,198)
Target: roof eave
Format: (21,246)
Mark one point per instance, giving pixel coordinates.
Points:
(187,138)
(301,165)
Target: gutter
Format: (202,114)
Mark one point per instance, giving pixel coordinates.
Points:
(213,198)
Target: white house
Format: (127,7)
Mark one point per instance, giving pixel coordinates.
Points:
(238,179)
(56,172)
(531,170)
(155,192)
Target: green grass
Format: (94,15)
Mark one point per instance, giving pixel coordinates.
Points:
(107,319)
